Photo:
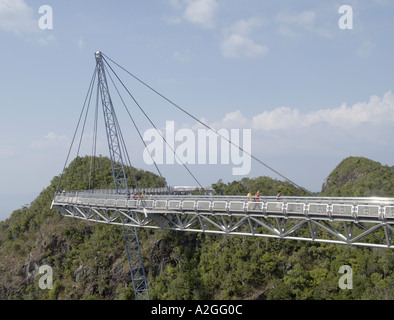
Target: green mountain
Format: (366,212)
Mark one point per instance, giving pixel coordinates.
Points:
(360,177)
(89,260)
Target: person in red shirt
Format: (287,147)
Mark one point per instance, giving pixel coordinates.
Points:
(257,196)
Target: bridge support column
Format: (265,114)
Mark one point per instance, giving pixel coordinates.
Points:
(134,256)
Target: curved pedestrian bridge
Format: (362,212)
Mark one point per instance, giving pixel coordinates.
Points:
(356,221)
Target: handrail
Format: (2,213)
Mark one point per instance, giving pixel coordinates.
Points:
(366,208)
(110,194)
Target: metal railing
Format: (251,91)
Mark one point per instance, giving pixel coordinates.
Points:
(354,221)
(375,208)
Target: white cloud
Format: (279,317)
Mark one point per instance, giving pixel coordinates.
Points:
(376,111)
(172,20)
(182,57)
(365,49)
(288,32)
(6,152)
(175,3)
(231,120)
(294,24)
(201,12)
(238,42)
(304,140)
(234,120)
(245,27)
(49,141)
(237,46)
(305,18)
(81,43)
(20,19)
(17,17)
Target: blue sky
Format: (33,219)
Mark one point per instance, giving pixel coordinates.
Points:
(312,93)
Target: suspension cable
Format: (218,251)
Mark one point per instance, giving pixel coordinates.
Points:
(88,94)
(137,129)
(205,125)
(144,113)
(94,144)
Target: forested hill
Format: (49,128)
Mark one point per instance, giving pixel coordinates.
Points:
(360,177)
(89,260)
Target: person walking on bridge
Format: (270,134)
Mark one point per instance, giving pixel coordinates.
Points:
(257,196)
(249,196)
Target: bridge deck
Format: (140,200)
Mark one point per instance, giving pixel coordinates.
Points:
(334,220)
(376,209)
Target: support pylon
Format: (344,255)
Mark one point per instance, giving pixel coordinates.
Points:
(119,174)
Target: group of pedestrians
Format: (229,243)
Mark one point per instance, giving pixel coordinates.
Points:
(256,197)
(137,196)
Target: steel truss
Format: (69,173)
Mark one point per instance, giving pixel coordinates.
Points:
(135,262)
(120,180)
(357,223)
(112,128)
(347,230)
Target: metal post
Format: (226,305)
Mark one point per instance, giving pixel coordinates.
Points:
(136,263)
(115,150)
(111,126)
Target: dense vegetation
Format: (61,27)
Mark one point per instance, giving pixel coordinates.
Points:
(89,261)
(360,177)
(267,187)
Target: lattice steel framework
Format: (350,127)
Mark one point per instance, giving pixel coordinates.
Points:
(120,179)
(350,221)
(112,128)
